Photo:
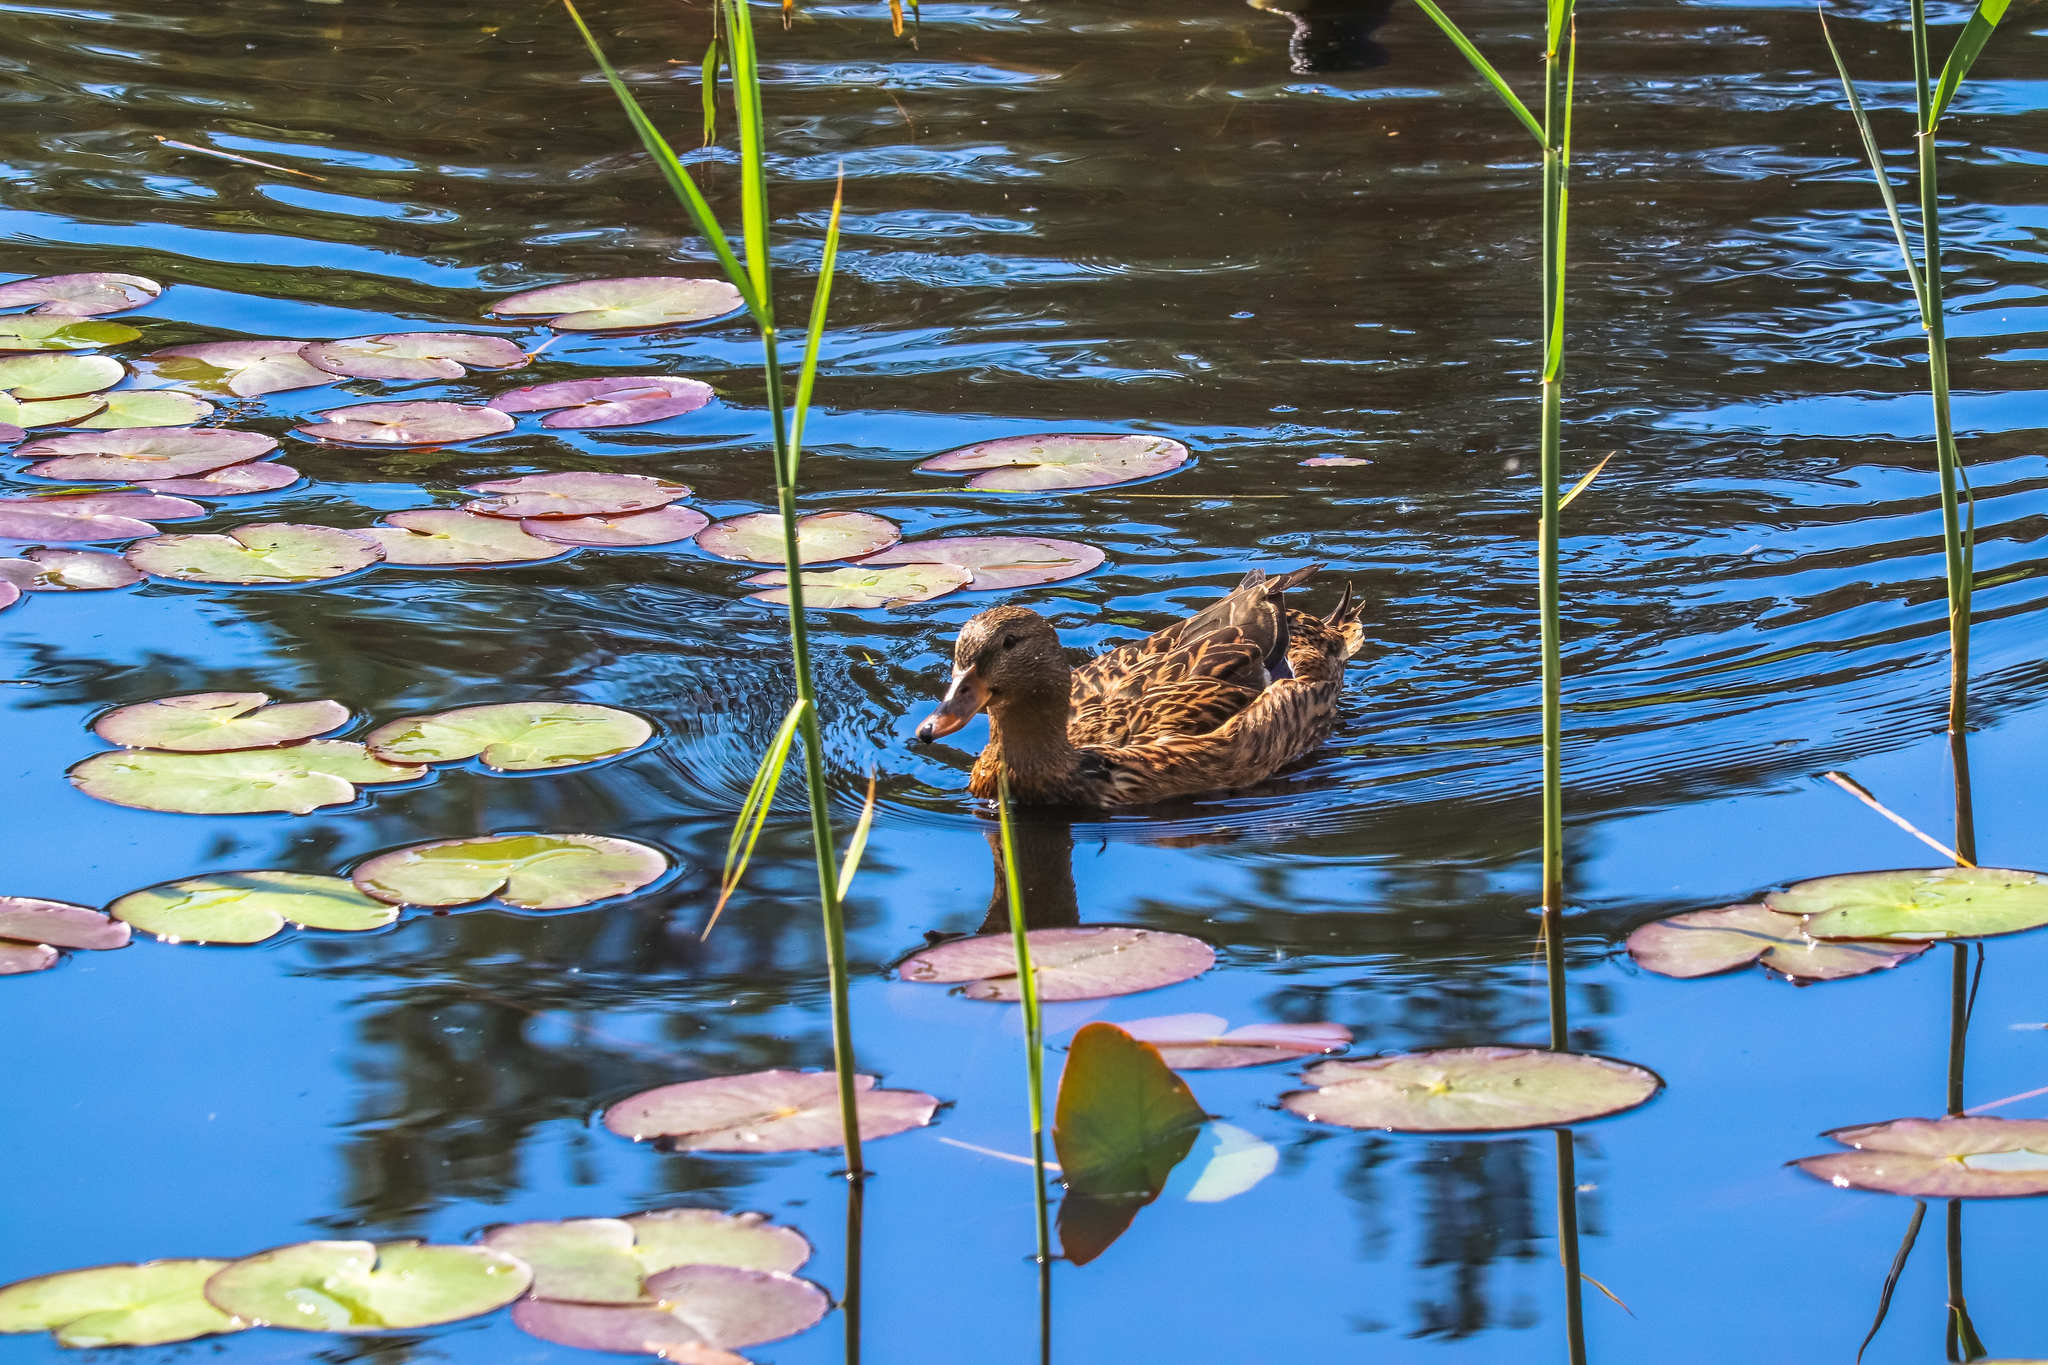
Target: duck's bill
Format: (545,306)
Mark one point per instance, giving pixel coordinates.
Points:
(963,701)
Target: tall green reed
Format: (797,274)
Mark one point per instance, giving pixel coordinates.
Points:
(1034,1058)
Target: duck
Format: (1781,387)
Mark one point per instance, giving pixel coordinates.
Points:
(1221,699)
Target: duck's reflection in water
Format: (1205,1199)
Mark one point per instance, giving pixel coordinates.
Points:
(1332,35)
(1043,838)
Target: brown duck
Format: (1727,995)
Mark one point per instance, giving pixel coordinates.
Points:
(1225,698)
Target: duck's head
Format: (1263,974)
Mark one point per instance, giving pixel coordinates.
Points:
(1006,658)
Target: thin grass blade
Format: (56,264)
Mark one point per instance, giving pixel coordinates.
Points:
(858,844)
(1583,483)
(1484,68)
(744,64)
(711,91)
(746,831)
(1884,180)
(814,336)
(1963,55)
(896,18)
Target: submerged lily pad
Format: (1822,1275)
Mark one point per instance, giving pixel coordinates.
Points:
(633,304)
(701,1306)
(367,1287)
(248,907)
(103,516)
(418,423)
(59,924)
(765,1111)
(30,377)
(414,355)
(1948,1158)
(260,476)
(998,561)
(623,401)
(1470,1090)
(1199,1042)
(530,871)
(264,552)
(1918,904)
(136,453)
(757,537)
(211,722)
(1706,942)
(1091,962)
(247,368)
(662,526)
(606,1260)
(299,778)
(147,408)
(80,296)
(580,493)
(859,588)
(69,571)
(437,536)
(1029,464)
(149,1304)
(520,736)
(19,333)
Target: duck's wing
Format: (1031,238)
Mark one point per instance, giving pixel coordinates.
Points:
(1189,690)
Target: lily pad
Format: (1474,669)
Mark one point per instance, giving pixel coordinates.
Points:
(10,433)
(299,778)
(605,1260)
(9,594)
(248,907)
(51,412)
(143,453)
(859,588)
(1091,962)
(80,296)
(264,552)
(757,537)
(148,408)
(622,401)
(69,571)
(149,1304)
(1030,464)
(700,1306)
(1470,1090)
(575,494)
(367,1287)
(1199,1042)
(19,959)
(441,537)
(765,1111)
(1949,1158)
(260,476)
(418,423)
(1707,942)
(30,377)
(414,355)
(98,516)
(530,871)
(520,736)
(59,925)
(1918,904)
(1122,1122)
(633,304)
(212,722)
(662,526)
(249,369)
(998,561)
(20,333)
(1326,461)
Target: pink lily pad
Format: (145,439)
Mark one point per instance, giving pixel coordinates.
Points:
(757,537)
(860,588)
(1708,942)
(440,536)
(1058,460)
(1470,1090)
(258,476)
(140,506)
(662,526)
(575,494)
(634,304)
(619,402)
(264,552)
(18,959)
(1088,963)
(701,1306)
(9,593)
(213,722)
(1948,1158)
(414,355)
(1199,1042)
(104,516)
(135,453)
(998,561)
(59,925)
(248,368)
(764,1111)
(80,296)
(1328,461)
(406,424)
(10,433)
(68,571)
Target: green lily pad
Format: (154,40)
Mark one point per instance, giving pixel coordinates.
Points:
(703,1308)
(765,1111)
(662,526)
(1948,1158)
(1091,962)
(248,369)
(444,538)
(634,304)
(248,907)
(20,333)
(263,552)
(53,570)
(859,588)
(137,453)
(81,295)
(1470,1090)
(1918,904)
(1060,460)
(148,408)
(606,1260)
(58,924)
(1707,942)
(299,778)
(149,1304)
(1206,1042)
(29,377)
(520,736)
(52,412)
(210,722)
(530,871)
(757,537)
(998,561)
(416,423)
(367,1287)
(1122,1122)
(414,355)
(581,493)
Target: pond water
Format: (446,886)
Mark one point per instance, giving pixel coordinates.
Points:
(1074,216)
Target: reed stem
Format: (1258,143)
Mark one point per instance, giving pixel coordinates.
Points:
(1034,1040)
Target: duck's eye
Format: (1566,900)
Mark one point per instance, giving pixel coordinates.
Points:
(1009,641)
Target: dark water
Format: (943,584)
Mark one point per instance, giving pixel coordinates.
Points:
(1077,216)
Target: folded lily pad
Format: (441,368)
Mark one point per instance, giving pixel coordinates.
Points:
(519,736)
(1121,1124)
(104,516)
(606,1260)
(417,423)
(147,408)
(137,453)
(264,552)
(414,355)
(1706,942)
(530,871)
(248,907)
(633,304)
(764,1111)
(19,959)
(367,1287)
(702,1307)
(260,476)
(51,412)
(1029,464)
(247,368)
(30,377)
(1947,1158)
(9,594)
(859,588)
(662,526)
(19,333)
(998,561)
(68,571)
(79,296)
(757,537)
(440,537)
(150,1304)
(1092,962)
(1470,1090)
(1918,904)
(299,778)
(1199,1042)
(59,924)
(623,401)
(213,722)
(574,494)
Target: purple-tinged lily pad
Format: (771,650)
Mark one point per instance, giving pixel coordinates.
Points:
(529,871)
(418,423)
(57,924)
(662,526)
(1092,962)
(1918,904)
(1947,1158)
(248,369)
(138,506)
(756,538)
(580,493)
(607,1260)
(635,304)
(31,377)
(764,1111)
(1059,460)
(1707,942)
(299,778)
(734,1306)
(443,537)
(248,907)
(9,594)
(214,722)
(69,571)
(102,516)
(147,408)
(998,561)
(264,552)
(19,959)
(859,588)
(258,476)
(519,736)
(79,296)
(1200,1042)
(414,355)
(621,1330)
(624,401)
(1470,1090)
(1329,461)
(367,1287)
(138,453)
(11,433)
(18,333)
(151,1304)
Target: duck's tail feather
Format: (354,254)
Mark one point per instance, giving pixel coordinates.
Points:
(1346,621)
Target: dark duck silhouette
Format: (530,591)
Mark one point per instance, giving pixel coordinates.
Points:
(1332,35)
